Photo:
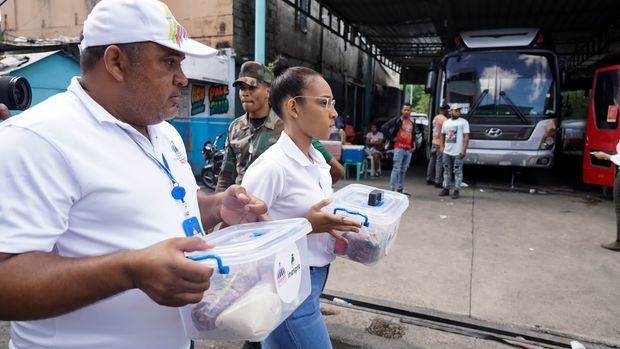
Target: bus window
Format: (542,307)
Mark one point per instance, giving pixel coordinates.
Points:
(607,94)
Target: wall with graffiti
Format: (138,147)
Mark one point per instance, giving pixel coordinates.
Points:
(218,99)
(204,100)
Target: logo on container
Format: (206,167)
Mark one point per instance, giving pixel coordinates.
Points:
(295,267)
(281,275)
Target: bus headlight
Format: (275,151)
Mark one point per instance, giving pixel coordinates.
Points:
(547,142)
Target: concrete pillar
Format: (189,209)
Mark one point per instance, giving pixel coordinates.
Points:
(259,30)
(370,70)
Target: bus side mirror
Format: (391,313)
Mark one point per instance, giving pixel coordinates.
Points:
(431,81)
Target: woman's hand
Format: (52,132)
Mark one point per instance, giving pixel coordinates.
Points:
(328,223)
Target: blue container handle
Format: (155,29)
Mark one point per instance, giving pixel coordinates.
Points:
(220,267)
(355,213)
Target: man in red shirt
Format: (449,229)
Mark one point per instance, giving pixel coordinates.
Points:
(404,145)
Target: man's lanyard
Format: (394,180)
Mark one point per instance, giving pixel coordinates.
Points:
(190,224)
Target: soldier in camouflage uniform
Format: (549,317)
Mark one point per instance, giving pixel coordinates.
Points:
(252,133)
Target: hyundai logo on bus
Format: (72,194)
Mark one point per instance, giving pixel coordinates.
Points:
(493,132)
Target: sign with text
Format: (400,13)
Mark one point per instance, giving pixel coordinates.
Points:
(218,99)
(612,113)
(198,98)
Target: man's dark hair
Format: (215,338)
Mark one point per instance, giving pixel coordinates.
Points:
(91,55)
(290,83)
(406,104)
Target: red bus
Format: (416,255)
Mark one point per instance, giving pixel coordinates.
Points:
(602,131)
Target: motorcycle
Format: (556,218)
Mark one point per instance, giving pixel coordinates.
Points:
(213,158)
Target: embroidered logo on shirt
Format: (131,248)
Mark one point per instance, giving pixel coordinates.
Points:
(178,154)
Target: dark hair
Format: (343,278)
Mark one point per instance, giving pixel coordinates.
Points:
(289,83)
(279,66)
(91,55)
(406,104)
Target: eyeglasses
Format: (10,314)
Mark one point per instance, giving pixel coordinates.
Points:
(326,102)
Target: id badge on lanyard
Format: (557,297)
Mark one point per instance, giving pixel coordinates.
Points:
(190,224)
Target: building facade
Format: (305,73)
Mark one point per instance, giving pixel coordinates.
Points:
(230,23)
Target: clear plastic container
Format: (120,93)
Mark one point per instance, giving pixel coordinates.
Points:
(261,275)
(380,222)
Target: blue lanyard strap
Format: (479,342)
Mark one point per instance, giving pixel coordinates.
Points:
(178,192)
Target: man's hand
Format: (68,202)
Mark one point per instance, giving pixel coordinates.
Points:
(164,274)
(4,112)
(601,156)
(328,223)
(239,206)
(462,154)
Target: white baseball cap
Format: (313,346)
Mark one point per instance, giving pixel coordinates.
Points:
(128,21)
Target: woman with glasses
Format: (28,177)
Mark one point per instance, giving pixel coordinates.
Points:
(293,179)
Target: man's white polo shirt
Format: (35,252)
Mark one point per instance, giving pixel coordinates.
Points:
(75,181)
(290,184)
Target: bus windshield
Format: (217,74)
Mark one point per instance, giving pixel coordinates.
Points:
(500,84)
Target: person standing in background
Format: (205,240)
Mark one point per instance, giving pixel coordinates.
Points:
(401,131)
(454,142)
(614,245)
(434,171)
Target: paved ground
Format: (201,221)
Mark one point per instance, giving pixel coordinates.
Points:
(507,257)
(502,256)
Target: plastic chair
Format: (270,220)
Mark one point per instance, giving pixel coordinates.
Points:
(360,168)
(370,165)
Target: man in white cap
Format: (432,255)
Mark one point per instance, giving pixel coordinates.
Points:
(98,201)
(454,143)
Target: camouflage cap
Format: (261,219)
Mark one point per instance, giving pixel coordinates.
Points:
(252,73)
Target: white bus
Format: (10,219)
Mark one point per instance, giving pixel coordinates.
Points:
(507,83)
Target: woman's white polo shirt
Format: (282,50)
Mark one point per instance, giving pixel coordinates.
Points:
(290,184)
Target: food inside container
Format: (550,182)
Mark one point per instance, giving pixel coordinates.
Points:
(378,211)
(261,276)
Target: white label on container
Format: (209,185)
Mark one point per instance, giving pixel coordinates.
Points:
(287,272)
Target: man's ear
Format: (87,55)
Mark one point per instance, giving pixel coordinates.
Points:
(115,62)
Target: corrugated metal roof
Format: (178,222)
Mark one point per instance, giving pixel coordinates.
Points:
(11,62)
(411,33)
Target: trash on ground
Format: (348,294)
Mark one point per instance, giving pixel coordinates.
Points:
(443,216)
(576,345)
(340,301)
(482,190)
(450,204)
(464,185)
